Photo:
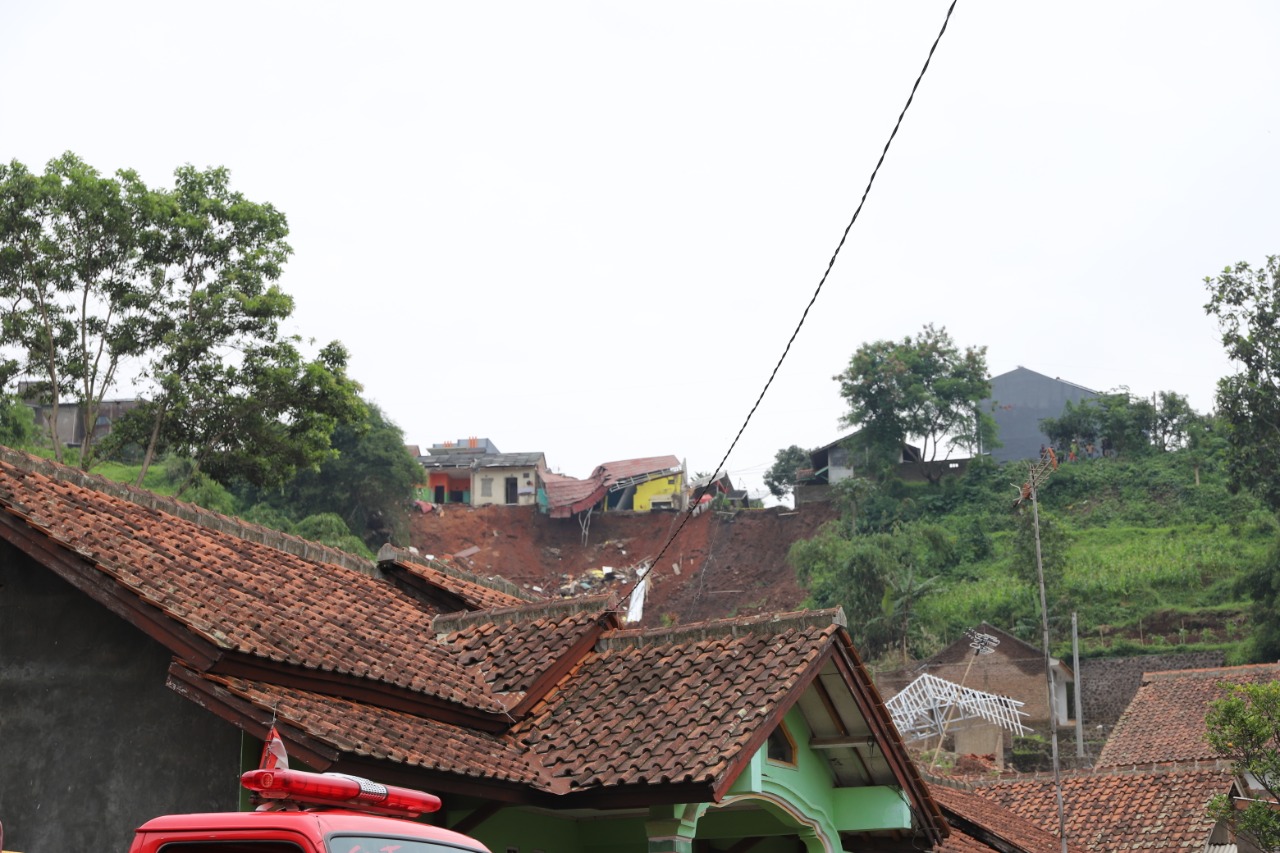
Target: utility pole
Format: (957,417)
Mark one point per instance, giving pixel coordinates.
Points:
(1037,474)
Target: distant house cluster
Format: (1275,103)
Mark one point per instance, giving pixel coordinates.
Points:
(1020,400)
(474,472)
(68,422)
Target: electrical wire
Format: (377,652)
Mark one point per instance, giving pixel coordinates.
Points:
(701,492)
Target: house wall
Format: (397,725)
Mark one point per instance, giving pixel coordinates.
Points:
(1021,399)
(526,479)
(92,743)
(451,483)
(658,488)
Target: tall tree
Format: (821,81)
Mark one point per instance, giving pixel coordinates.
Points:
(1246,301)
(77,297)
(781,476)
(922,388)
(216,255)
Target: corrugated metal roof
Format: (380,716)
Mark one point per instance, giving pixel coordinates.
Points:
(483,460)
(567,495)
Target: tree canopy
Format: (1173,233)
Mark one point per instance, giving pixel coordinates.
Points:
(781,476)
(922,388)
(367,484)
(1245,728)
(99,273)
(1121,423)
(76,290)
(1246,301)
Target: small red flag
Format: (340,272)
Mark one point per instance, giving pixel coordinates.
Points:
(273,755)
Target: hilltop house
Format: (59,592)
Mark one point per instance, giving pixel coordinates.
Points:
(146,646)
(474,472)
(1019,400)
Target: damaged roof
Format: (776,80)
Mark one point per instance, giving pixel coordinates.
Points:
(569,495)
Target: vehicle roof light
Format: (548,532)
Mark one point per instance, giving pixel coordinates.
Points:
(337,789)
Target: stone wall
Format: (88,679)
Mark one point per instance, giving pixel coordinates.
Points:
(1108,684)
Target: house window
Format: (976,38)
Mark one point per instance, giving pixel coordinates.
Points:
(486,487)
(781,748)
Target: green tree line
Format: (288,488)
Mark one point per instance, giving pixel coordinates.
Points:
(174,290)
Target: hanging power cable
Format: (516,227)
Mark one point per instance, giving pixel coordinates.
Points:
(693,504)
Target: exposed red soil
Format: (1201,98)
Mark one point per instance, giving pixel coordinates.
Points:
(720,564)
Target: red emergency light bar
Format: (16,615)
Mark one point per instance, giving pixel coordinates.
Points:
(338,790)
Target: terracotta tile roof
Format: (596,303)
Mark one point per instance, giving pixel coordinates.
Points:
(471,590)
(1165,719)
(1119,812)
(671,706)
(567,495)
(364,730)
(512,648)
(335,651)
(982,824)
(241,596)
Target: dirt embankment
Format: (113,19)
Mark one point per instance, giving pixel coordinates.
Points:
(719,565)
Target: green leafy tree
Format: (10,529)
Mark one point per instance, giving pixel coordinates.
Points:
(1246,301)
(77,295)
(1174,421)
(216,256)
(781,476)
(922,388)
(878,578)
(1119,423)
(1244,727)
(262,421)
(17,424)
(367,483)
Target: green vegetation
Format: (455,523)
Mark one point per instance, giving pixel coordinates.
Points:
(1149,559)
(101,272)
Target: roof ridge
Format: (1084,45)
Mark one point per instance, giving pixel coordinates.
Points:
(389,553)
(230,525)
(970,783)
(1207,672)
(448,622)
(731,627)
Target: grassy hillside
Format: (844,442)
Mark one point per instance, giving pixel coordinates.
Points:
(1148,558)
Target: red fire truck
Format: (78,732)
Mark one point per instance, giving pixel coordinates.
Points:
(304,812)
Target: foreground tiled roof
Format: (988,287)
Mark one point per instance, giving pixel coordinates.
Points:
(237,596)
(1165,720)
(512,648)
(535,698)
(1119,812)
(567,495)
(360,729)
(980,824)
(671,705)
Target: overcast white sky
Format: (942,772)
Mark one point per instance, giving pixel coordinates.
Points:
(589,228)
